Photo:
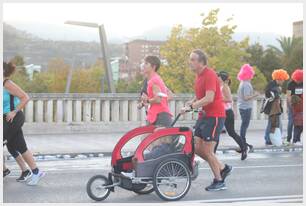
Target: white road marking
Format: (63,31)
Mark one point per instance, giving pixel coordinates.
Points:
(259,166)
(284,198)
(69,168)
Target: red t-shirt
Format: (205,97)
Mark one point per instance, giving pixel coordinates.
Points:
(205,81)
(155,109)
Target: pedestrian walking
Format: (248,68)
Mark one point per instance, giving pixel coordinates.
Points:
(14,100)
(273,107)
(295,100)
(295,90)
(246,96)
(229,123)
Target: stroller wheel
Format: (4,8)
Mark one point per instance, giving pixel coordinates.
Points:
(147,189)
(172,180)
(96,188)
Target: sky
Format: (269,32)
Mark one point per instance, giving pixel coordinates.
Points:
(132,19)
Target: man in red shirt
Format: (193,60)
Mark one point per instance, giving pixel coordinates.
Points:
(208,127)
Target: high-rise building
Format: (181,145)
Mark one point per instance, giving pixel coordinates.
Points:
(298,29)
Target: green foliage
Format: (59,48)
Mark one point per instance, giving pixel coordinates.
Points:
(88,79)
(290,53)
(265,60)
(20,74)
(223,52)
(54,79)
(134,86)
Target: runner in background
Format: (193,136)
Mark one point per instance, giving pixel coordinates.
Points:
(225,82)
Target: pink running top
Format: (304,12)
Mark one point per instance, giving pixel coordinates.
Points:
(155,109)
(227,104)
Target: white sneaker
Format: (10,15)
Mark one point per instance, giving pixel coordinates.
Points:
(298,144)
(129,174)
(286,143)
(36,178)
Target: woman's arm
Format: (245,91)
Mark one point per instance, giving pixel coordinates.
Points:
(16,91)
(156,99)
(170,94)
(227,96)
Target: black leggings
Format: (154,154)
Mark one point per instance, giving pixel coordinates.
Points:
(297,133)
(12,132)
(230,128)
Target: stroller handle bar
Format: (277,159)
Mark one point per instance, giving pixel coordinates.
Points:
(180,114)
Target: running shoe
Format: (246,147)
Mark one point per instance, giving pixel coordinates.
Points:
(251,148)
(286,143)
(297,144)
(24,176)
(35,178)
(244,154)
(226,171)
(6,172)
(216,185)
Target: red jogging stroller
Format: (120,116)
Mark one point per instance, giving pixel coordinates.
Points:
(168,170)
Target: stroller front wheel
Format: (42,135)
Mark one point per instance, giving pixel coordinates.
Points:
(96,188)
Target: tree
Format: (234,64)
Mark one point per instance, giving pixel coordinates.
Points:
(290,52)
(217,42)
(256,52)
(20,76)
(88,79)
(130,86)
(57,75)
(270,61)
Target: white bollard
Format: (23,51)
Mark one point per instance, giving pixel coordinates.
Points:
(133,113)
(49,111)
(29,112)
(124,110)
(115,111)
(39,113)
(87,111)
(59,110)
(97,111)
(106,111)
(69,109)
(78,110)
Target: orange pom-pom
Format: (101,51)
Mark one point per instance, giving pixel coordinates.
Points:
(280,74)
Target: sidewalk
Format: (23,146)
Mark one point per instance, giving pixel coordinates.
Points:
(75,144)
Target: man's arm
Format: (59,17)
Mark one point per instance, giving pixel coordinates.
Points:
(209,98)
(191,101)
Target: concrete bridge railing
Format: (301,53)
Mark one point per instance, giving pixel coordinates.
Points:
(47,110)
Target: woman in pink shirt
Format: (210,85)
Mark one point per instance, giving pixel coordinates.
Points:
(157,94)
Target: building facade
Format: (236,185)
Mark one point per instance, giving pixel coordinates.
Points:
(135,52)
(298,29)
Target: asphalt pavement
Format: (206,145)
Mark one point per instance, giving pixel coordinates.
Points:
(263,177)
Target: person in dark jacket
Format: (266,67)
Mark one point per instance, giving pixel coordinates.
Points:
(295,103)
(274,107)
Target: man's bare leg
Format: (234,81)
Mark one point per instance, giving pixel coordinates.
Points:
(208,148)
(199,150)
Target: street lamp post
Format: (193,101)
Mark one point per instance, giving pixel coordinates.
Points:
(69,77)
(104,49)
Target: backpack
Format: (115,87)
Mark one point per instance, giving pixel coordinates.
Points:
(267,104)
